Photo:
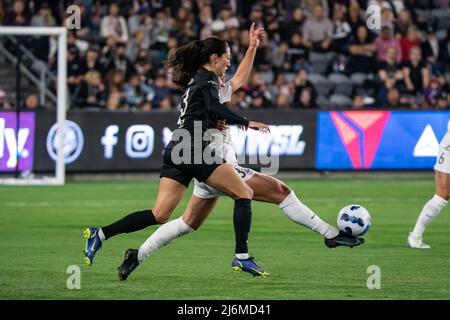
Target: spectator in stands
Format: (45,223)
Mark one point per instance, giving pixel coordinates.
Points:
(4,104)
(74,69)
(341,29)
(434,51)
(415,72)
(362,52)
(206,19)
(44,17)
(138,94)
(116,102)
(143,66)
(390,70)
(91,61)
(279,57)
(318,31)
(280,87)
(403,23)
(137,43)
(121,62)
(392,99)
(354,17)
(283,102)
(114,25)
(442,101)
(162,92)
(358,102)
(433,92)
(18,16)
(184,26)
(293,25)
(115,81)
(411,40)
(108,53)
(161,28)
(258,95)
(298,54)
(309,7)
(304,92)
(90,92)
(31,103)
(385,41)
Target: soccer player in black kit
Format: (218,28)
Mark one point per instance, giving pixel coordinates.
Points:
(196,67)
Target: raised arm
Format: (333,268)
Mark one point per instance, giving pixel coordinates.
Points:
(245,67)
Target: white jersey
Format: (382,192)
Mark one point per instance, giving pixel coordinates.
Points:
(224,147)
(222,144)
(443,158)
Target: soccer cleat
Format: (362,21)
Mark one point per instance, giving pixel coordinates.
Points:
(93,244)
(416,242)
(248,265)
(130,262)
(344,239)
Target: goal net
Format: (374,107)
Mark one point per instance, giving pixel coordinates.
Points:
(19,142)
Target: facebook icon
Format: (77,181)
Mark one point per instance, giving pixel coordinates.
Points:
(109,140)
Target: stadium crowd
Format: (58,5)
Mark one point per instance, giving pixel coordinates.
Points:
(318,53)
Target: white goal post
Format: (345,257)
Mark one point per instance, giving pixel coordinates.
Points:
(61,33)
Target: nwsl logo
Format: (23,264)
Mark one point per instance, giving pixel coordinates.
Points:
(360,132)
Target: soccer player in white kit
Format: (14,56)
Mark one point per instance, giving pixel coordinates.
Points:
(440,199)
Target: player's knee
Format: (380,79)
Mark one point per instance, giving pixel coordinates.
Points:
(247,192)
(284,190)
(243,192)
(161,217)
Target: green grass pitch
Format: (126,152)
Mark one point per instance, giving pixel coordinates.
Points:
(41,236)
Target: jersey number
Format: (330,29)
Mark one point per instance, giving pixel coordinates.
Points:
(184,104)
(441,159)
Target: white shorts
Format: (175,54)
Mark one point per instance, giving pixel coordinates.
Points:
(203,191)
(443,161)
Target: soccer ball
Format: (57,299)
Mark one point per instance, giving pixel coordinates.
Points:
(354,220)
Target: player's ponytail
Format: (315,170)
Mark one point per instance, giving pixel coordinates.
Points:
(186,60)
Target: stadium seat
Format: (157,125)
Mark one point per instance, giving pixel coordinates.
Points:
(340,101)
(267,76)
(289,77)
(342,84)
(358,78)
(322,84)
(323,103)
(320,61)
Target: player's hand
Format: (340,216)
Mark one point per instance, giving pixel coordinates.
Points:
(256,35)
(259,126)
(221,124)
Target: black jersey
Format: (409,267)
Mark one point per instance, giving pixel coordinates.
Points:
(200,102)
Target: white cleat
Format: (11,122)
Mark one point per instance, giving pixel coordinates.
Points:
(416,242)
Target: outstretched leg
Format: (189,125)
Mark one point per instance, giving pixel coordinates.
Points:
(169,195)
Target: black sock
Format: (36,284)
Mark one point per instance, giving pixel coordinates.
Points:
(242,220)
(133,222)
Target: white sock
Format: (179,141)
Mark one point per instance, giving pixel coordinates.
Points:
(241,256)
(301,214)
(101,235)
(163,236)
(429,212)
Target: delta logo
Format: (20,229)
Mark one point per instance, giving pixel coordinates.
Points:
(360,132)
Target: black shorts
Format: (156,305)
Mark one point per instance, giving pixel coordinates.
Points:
(184,172)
